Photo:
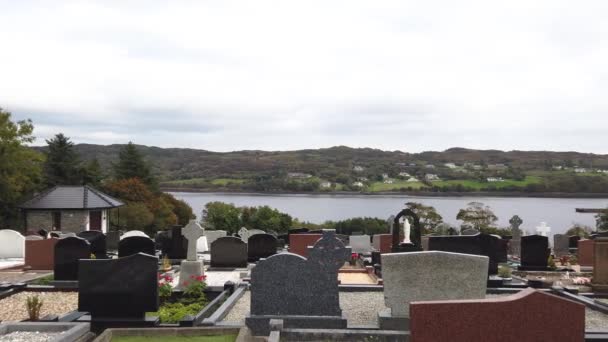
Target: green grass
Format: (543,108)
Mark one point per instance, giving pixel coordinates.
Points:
(225,181)
(199,181)
(220,338)
(46,280)
(398,184)
(477,185)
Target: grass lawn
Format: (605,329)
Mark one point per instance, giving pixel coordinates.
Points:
(483,185)
(198,181)
(225,181)
(398,184)
(220,338)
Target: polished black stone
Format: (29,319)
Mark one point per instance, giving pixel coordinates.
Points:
(98,242)
(479,244)
(112,240)
(67,253)
(535,252)
(136,244)
(179,244)
(125,287)
(229,251)
(261,246)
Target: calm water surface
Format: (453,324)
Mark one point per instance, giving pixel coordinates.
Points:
(557,212)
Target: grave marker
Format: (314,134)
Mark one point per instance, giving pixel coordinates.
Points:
(561,245)
(12,244)
(515,243)
(136,244)
(534,253)
(67,253)
(191,267)
(97,240)
(303,292)
(228,252)
(360,244)
(261,246)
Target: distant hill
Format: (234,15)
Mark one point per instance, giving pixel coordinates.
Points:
(234,170)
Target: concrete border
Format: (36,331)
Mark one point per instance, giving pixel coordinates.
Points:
(71,331)
(108,334)
(223,310)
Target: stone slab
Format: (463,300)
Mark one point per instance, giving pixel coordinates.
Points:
(40,254)
(228,252)
(407,277)
(360,244)
(561,245)
(299,243)
(382,242)
(585,252)
(259,325)
(386,321)
(12,244)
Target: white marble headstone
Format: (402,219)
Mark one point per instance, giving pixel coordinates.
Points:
(12,244)
(244,234)
(192,232)
(543,229)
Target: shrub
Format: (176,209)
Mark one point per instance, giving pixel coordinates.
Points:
(174,312)
(504,272)
(194,291)
(164,287)
(34,304)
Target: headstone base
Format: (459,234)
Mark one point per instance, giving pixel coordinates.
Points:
(533,268)
(189,268)
(601,288)
(100,324)
(406,247)
(259,325)
(386,321)
(64,284)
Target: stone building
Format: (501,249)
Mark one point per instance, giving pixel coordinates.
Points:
(69,209)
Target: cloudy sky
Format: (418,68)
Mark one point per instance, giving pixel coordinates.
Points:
(277,75)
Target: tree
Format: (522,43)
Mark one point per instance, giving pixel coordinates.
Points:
(266,218)
(601,220)
(62,163)
(181,209)
(20,167)
(428,215)
(91,173)
(221,216)
(133,216)
(476,215)
(131,164)
(579,230)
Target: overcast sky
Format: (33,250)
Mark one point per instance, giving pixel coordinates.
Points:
(277,75)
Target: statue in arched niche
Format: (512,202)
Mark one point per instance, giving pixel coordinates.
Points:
(411,243)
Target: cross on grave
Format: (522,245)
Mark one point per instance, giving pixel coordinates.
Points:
(192,232)
(543,229)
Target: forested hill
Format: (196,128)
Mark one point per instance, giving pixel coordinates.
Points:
(344,166)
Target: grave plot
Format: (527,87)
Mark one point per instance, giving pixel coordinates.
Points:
(14,307)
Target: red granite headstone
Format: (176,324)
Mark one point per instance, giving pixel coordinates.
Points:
(528,316)
(383,242)
(586,252)
(298,243)
(40,254)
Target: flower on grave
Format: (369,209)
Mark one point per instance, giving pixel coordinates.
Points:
(581,280)
(354,256)
(185,283)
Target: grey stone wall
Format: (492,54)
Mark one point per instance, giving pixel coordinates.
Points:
(73,221)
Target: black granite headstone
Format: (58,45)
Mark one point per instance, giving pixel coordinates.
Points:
(112,240)
(67,253)
(43,233)
(228,251)
(288,286)
(98,242)
(179,245)
(118,288)
(261,246)
(163,242)
(480,244)
(535,253)
(136,244)
(573,241)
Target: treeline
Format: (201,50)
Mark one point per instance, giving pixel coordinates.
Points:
(25,171)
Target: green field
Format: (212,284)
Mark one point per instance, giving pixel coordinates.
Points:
(204,181)
(398,184)
(476,185)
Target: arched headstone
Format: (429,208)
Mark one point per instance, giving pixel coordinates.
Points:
(136,244)
(12,244)
(67,253)
(98,242)
(261,246)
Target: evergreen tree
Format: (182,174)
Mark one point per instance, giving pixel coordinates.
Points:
(91,173)
(131,164)
(62,163)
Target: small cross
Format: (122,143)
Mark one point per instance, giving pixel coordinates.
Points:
(192,232)
(543,229)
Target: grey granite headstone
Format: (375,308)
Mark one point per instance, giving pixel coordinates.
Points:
(228,252)
(303,292)
(360,244)
(515,243)
(434,275)
(560,245)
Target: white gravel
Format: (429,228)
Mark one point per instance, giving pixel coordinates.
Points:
(14,308)
(28,336)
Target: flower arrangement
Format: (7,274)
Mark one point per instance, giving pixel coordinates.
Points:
(164,287)
(166,263)
(195,288)
(353,258)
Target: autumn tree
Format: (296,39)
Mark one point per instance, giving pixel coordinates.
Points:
(477,216)
(20,167)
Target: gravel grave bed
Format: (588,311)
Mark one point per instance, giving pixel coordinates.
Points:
(17,277)
(28,336)
(14,308)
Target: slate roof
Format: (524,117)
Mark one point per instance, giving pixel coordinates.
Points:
(72,197)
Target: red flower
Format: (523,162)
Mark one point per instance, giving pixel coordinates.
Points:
(354,255)
(185,283)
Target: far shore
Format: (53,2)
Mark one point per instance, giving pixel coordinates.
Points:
(399,193)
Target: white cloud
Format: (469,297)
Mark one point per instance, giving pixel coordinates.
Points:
(285,75)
